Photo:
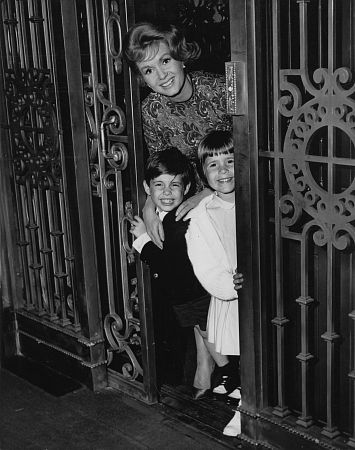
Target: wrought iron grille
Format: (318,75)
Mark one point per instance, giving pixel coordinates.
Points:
(310,167)
(115,179)
(37,154)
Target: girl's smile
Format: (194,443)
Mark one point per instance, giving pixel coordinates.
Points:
(219,171)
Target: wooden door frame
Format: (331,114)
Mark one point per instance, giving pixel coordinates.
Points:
(244,30)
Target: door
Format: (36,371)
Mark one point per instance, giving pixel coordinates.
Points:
(71,137)
(294,138)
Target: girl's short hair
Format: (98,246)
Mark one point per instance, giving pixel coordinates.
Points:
(215,142)
(142,41)
(172,162)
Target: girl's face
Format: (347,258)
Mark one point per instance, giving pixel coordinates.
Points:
(162,73)
(219,171)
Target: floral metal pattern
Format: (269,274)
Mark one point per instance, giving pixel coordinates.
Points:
(34,127)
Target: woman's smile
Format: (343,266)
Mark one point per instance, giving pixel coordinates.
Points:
(165,75)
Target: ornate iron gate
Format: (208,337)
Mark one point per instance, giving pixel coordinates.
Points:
(76,153)
(301,163)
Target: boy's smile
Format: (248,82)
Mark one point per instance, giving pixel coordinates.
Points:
(167,191)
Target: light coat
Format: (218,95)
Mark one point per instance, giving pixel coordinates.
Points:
(214,271)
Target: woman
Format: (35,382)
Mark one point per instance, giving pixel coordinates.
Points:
(182,108)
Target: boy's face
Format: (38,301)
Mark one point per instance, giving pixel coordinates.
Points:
(167,191)
(219,171)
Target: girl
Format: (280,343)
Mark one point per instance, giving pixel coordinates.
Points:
(211,244)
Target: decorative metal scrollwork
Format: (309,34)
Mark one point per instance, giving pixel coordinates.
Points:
(121,342)
(34,127)
(330,113)
(116,154)
(125,222)
(112,21)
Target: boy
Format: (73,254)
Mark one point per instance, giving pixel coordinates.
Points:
(175,287)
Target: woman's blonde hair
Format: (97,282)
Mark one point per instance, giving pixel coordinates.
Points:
(143,39)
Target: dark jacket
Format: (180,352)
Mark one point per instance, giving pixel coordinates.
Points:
(171,269)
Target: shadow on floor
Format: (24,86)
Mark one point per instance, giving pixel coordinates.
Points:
(33,419)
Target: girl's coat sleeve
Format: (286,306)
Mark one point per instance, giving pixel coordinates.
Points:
(209,263)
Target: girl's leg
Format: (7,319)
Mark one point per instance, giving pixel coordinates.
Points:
(205,363)
(226,374)
(220,360)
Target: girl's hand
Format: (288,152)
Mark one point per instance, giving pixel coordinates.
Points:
(191,203)
(137,227)
(238,280)
(153,224)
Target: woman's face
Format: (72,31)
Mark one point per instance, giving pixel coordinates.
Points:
(162,73)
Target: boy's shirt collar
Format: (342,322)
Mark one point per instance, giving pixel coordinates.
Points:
(161,213)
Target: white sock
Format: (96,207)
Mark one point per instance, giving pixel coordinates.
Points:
(233,427)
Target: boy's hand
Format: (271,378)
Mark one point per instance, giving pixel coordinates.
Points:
(238,280)
(137,227)
(153,224)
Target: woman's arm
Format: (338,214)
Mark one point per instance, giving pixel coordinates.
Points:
(191,203)
(153,224)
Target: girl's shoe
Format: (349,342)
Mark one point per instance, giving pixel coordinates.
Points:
(236,394)
(226,379)
(227,385)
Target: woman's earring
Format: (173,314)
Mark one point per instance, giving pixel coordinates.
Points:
(183,66)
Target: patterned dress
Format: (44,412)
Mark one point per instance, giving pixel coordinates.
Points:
(184,124)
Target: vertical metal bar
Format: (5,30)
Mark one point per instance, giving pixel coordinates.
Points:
(289,35)
(305,301)
(87,277)
(46,36)
(108,18)
(11,22)
(305,357)
(63,191)
(280,320)
(303,64)
(45,255)
(58,255)
(34,23)
(21,33)
(55,269)
(35,264)
(69,260)
(102,163)
(351,375)
(135,137)
(331,36)
(23,244)
(331,337)
(320,32)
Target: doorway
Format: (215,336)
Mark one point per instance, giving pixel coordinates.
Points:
(207,23)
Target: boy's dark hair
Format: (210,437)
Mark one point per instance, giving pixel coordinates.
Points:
(170,161)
